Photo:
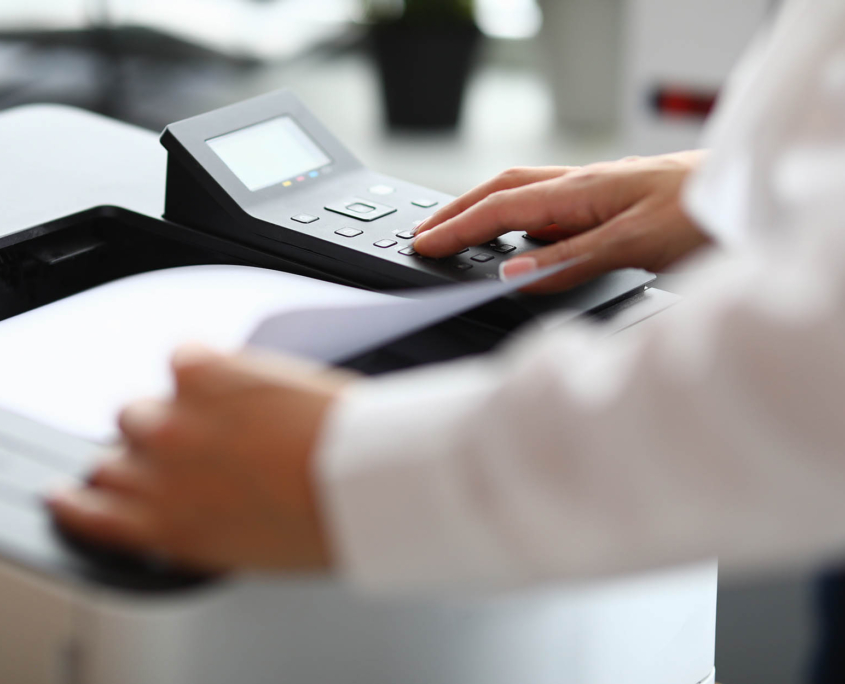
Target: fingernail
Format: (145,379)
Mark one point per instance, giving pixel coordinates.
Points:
(56,497)
(70,497)
(421,225)
(144,418)
(517,267)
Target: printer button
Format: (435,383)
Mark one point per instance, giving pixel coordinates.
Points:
(425,203)
(482,258)
(502,248)
(384,244)
(349,232)
(304,218)
(360,208)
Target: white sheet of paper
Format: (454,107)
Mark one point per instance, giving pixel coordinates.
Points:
(338,332)
(73,364)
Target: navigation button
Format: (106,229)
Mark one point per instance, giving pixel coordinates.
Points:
(384,244)
(406,235)
(408,251)
(382,190)
(304,218)
(482,258)
(348,232)
(425,203)
(361,209)
(463,267)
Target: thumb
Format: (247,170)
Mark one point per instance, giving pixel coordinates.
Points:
(201,371)
(193,353)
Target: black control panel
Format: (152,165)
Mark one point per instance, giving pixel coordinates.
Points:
(266,172)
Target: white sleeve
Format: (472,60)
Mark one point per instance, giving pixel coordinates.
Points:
(717,430)
(776,138)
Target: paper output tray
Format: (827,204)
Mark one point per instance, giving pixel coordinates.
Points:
(79,252)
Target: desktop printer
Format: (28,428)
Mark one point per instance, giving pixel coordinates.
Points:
(88,200)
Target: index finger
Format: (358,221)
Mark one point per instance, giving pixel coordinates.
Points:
(513,178)
(525,208)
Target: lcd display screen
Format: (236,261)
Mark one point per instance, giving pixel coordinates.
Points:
(269,153)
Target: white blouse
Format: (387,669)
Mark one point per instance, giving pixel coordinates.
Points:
(715,429)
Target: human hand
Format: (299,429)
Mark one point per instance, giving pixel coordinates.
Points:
(622,214)
(220,476)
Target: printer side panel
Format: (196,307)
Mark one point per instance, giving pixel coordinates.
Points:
(657,629)
(37,629)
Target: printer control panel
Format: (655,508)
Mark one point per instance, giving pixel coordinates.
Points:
(376,217)
(265,172)
(272,171)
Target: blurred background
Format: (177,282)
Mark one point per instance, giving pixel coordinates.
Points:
(445,93)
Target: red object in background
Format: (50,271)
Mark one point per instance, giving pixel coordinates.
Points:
(684,102)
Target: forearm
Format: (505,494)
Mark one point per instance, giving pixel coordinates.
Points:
(570,458)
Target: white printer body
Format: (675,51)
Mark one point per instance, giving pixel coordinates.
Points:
(655,630)
(59,629)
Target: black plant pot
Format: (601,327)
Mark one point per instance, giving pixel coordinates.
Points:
(424,71)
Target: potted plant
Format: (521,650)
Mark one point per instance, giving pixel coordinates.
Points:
(424,50)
